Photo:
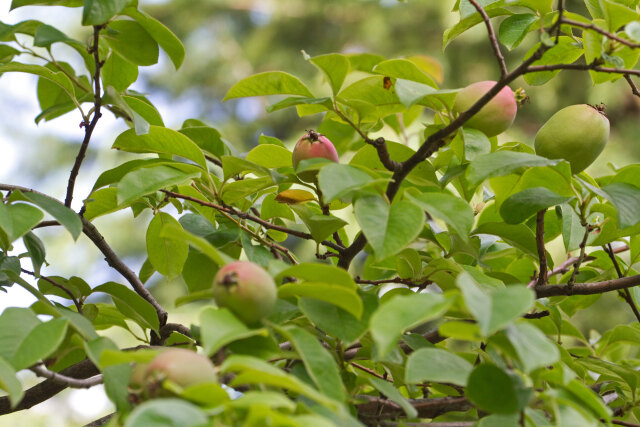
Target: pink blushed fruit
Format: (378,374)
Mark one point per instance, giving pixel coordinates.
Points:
(246,289)
(180,366)
(313,145)
(496,116)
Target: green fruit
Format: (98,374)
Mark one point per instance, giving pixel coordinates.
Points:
(577,134)
(246,289)
(496,116)
(312,145)
(180,366)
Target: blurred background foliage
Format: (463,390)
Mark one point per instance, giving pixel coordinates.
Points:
(225,41)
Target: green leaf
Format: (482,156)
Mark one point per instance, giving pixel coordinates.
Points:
(626,199)
(15,324)
(10,383)
(497,308)
(337,181)
(17,219)
(36,250)
(572,229)
(435,364)
(633,30)
(566,51)
(618,15)
(118,72)
(469,22)
(143,181)
(115,377)
(166,255)
(256,371)
(502,163)
(534,349)
(404,69)
(132,41)
(335,67)
(514,28)
(389,229)
(234,191)
(219,327)
(58,78)
(46,35)
(423,174)
(318,361)
(173,232)
(493,390)
(198,271)
(40,343)
(270,156)
(337,322)
(403,312)
(161,34)
(337,295)
(454,211)
(160,140)
(207,138)
(522,205)
(517,235)
(310,271)
(131,304)
(320,226)
(144,110)
(393,394)
(268,83)
(167,412)
(65,216)
(98,12)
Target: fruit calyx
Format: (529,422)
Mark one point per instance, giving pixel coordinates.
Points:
(600,108)
(313,136)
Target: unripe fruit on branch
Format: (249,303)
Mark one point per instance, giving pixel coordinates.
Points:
(313,145)
(496,116)
(246,289)
(180,366)
(577,134)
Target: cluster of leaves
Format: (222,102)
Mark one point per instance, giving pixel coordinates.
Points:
(458,225)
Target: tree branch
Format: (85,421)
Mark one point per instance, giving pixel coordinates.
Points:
(542,253)
(88,127)
(49,388)
(379,408)
(117,264)
(587,288)
(492,37)
(43,372)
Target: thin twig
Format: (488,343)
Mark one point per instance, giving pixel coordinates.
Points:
(559,21)
(492,37)
(632,85)
(625,294)
(601,31)
(369,371)
(581,67)
(43,372)
(77,303)
(583,246)
(245,215)
(566,265)
(89,127)
(542,252)
(396,279)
